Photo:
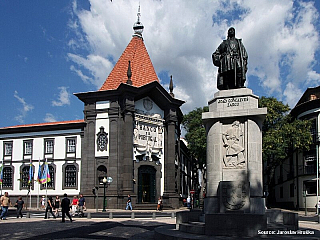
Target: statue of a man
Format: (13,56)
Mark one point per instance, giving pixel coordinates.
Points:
(231,57)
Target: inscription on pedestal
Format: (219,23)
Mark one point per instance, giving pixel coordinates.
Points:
(233,101)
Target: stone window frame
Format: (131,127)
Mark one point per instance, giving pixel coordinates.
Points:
(4,177)
(25,147)
(47,140)
(68,146)
(24,177)
(64,166)
(5,144)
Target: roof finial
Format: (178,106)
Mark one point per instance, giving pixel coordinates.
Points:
(129,74)
(137,26)
(171,87)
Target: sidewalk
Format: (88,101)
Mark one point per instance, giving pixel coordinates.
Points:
(83,228)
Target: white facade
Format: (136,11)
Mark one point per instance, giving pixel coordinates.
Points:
(60,146)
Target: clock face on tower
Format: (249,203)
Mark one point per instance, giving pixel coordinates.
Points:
(102,140)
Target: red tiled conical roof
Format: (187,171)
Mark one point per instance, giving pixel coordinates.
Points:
(141,67)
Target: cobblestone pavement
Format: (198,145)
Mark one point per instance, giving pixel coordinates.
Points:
(81,228)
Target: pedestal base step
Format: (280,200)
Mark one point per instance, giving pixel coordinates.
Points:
(193,227)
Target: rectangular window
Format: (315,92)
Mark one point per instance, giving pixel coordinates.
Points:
(71,145)
(8,148)
(49,146)
(281,192)
(27,147)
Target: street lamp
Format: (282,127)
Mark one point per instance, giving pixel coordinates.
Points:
(106,182)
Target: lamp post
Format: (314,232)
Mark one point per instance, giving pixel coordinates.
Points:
(106,182)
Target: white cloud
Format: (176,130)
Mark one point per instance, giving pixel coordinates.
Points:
(24,110)
(63,99)
(95,64)
(50,118)
(180,36)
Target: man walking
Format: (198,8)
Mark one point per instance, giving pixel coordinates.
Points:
(129,204)
(82,205)
(65,208)
(5,202)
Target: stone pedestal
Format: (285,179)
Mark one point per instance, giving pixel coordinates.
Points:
(234,153)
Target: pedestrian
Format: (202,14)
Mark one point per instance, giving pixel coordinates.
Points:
(129,204)
(56,206)
(65,208)
(19,205)
(5,202)
(75,202)
(82,205)
(189,202)
(49,208)
(318,206)
(159,206)
(43,202)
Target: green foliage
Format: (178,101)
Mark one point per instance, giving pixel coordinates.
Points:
(196,133)
(281,135)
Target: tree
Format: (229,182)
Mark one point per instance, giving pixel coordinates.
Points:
(196,134)
(281,135)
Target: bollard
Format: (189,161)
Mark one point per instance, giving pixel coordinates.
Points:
(132,215)
(110,215)
(154,215)
(172,215)
(88,215)
(28,215)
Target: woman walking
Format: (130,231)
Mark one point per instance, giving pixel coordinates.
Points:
(56,206)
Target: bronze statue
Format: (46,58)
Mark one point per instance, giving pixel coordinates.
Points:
(231,57)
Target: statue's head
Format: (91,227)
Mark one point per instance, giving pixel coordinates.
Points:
(231,32)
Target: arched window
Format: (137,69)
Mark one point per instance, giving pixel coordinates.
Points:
(24,179)
(101,173)
(70,179)
(7,177)
(51,184)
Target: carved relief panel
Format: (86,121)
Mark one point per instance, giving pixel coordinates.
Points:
(233,146)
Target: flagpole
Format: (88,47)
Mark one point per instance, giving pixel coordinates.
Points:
(2,176)
(46,163)
(38,199)
(30,181)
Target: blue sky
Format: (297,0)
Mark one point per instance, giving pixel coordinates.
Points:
(52,49)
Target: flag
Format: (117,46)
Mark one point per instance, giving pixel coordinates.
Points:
(30,173)
(39,173)
(45,177)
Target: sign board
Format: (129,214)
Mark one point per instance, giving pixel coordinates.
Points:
(192,191)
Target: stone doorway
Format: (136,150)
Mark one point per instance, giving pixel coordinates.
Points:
(147,184)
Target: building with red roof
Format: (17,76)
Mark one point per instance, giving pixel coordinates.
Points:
(127,141)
